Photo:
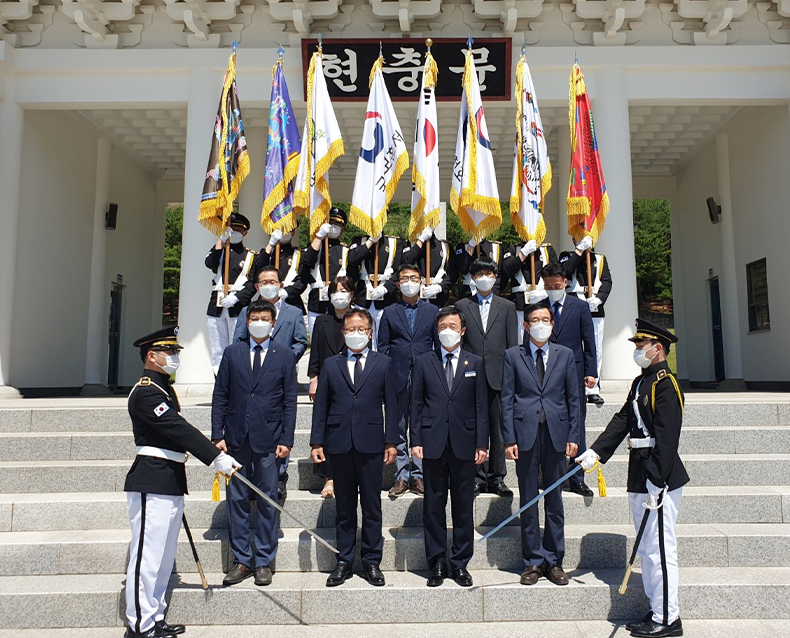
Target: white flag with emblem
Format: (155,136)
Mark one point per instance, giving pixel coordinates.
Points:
(383,158)
(531,165)
(474,196)
(322,144)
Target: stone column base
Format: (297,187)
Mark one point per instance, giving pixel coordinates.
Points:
(9,392)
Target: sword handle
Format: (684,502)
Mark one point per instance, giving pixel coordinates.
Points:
(624,584)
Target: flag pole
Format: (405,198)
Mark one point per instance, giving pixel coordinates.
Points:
(277,255)
(376,265)
(589,274)
(428,262)
(326,260)
(532,270)
(226,274)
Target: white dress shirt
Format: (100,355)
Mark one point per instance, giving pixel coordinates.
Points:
(352,361)
(265,348)
(533,350)
(456,355)
(484,303)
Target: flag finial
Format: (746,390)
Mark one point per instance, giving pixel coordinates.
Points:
(523,45)
(280,51)
(234,46)
(575,57)
(428,43)
(469,42)
(320,43)
(380,51)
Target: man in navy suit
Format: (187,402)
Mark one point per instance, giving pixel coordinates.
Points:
(350,429)
(407,330)
(253,413)
(541,424)
(449,431)
(573,328)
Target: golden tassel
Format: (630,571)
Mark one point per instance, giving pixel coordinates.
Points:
(601,483)
(215,495)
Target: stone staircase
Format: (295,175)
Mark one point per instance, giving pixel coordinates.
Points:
(64,533)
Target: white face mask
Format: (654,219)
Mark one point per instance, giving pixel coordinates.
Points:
(356,340)
(286,238)
(641,359)
(484,284)
(340,300)
(172,362)
(334,231)
(555,295)
(540,332)
(269,291)
(449,338)
(410,288)
(259,329)
(236,237)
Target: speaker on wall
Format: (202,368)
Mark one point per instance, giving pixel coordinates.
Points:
(714,210)
(111,217)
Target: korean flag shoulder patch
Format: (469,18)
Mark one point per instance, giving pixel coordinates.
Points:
(160,409)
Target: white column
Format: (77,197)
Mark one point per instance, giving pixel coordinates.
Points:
(96,346)
(613,133)
(251,194)
(12,123)
(561,174)
(195,370)
(728,287)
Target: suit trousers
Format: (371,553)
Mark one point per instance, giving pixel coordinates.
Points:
(407,468)
(551,549)
(493,471)
(358,474)
(262,470)
(448,472)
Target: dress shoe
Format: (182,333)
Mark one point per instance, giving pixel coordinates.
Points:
(438,574)
(237,574)
(462,577)
(399,489)
(577,487)
(500,489)
(597,399)
(153,632)
(418,487)
(531,575)
(372,574)
(556,575)
(651,629)
(263,576)
(636,623)
(341,574)
(329,489)
(170,629)
(478,490)
(282,491)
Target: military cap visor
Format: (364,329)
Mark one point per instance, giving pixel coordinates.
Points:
(646,331)
(337,216)
(163,339)
(238,220)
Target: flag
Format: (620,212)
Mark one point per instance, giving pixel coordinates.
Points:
(383,158)
(229,162)
(531,165)
(474,195)
(282,158)
(425,169)
(322,144)
(588,201)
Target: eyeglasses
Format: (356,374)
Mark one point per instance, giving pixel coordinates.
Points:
(363,331)
(404,280)
(269,282)
(536,321)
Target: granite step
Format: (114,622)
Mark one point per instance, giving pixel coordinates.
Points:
(587,547)
(108,510)
(303,598)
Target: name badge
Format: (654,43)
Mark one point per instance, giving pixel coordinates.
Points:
(471,373)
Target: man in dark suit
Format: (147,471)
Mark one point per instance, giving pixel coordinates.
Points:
(443,274)
(465,255)
(253,413)
(281,253)
(490,330)
(541,422)
(407,330)
(449,431)
(573,328)
(350,429)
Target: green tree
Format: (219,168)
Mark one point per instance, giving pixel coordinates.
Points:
(653,250)
(174,225)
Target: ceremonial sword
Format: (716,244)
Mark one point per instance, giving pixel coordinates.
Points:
(203,581)
(639,534)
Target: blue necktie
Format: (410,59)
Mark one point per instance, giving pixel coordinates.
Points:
(557,311)
(256,363)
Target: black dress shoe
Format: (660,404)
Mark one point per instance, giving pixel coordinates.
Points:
(372,574)
(500,489)
(462,577)
(597,399)
(282,491)
(556,575)
(651,629)
(263,576)
(170,629)
(154,632)
(341,574)
(237,574)
(478,490)
(438,574)
(636,623)
(577,487)
(531,575)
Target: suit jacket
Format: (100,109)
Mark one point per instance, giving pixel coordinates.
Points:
(261,408)
(575,330)
(347,415)
(289,330)
(577,273)
(401,344)
(287,254)
(439,415)
(327,341)
(238,255)
(523,397)
(501,333)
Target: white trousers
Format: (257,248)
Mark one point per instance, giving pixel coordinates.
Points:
(658,552)
(311,317)
(376,314)
(220,333)
(520,320)
(598,328)
(156,522)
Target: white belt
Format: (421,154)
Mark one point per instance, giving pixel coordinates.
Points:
(161,453)
(637,444)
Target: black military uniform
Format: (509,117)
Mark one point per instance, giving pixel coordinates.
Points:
(463,262)
(443,270)
(290,262)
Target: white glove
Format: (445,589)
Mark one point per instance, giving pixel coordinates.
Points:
(594,302)
(653,492)
(225,236)
(323,231)
(430,292)
(425,235)
(588,459)
(225,464)
(530,247)
(536,296)
(375,239)
(229,301)
(275,238)
(283,293)
(585,244)
(378,292)
(471,243)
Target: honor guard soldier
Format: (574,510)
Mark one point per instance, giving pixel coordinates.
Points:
(443,273)
(288,265)
(517,268)
(223,310)
(465,255)
(313,267)
(651,418)
(576,265)
(156,484)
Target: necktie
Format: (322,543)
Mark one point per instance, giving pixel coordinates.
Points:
(557,311)
(256,363)
(485,306)
(540,365)
(448,371)
(357,369)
